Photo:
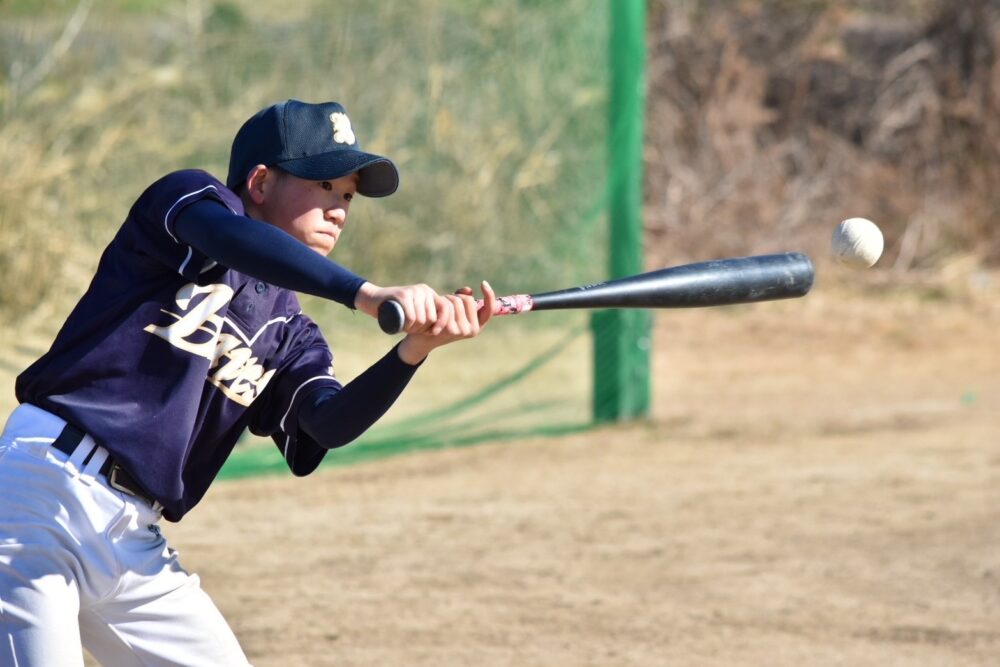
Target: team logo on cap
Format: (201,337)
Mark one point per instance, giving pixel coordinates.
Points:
(342,132)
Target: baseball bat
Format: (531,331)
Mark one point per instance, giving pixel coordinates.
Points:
(717,282)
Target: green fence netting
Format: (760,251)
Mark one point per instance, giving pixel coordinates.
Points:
(495,112)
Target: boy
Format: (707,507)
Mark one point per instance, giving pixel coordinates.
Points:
(189,333)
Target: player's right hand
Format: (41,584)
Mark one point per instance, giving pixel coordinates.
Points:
(468,320)
(425,310)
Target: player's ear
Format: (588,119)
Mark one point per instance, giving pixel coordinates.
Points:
(258,183)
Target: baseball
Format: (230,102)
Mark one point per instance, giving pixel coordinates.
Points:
(857,243)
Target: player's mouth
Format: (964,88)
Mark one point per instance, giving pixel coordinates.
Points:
(326,239)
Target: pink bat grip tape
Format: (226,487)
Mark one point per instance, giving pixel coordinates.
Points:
(512,305)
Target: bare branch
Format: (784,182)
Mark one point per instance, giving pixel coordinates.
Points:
(59,48)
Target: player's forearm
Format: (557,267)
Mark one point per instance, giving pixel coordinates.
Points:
(264,252)
(334,418)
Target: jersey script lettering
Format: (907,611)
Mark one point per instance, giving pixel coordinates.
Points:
(198,330)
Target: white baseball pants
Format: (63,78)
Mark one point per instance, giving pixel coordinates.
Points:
(84,564)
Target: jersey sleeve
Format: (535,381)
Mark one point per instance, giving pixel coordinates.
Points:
(306,367)
(149,230)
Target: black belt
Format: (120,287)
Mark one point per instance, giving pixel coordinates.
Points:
(118,477)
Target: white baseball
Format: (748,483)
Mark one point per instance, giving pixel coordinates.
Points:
(857,243)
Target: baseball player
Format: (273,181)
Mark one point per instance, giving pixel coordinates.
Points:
(190,333)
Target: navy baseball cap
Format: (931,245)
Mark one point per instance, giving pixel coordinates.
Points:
(311,141)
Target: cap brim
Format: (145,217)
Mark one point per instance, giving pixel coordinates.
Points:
(378,176)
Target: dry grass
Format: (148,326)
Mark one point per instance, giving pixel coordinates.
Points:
(494,118)
(767,122)
(771,121)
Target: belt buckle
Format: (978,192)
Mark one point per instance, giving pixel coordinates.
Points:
(113,480)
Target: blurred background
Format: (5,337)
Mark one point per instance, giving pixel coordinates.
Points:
(816,480)
(768,119)
(766,122)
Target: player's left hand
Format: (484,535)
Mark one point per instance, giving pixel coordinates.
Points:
(425,310)
(467,321)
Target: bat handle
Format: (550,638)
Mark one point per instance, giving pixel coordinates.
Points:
(391,317)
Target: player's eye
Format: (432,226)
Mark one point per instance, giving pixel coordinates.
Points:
(348,196)
(326,185)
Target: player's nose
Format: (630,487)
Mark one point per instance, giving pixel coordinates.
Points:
(336,215)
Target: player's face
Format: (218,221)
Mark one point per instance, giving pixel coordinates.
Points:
(314,212)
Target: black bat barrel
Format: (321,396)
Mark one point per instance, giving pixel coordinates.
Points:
(713,283)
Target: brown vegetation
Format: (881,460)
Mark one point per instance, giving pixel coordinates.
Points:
(769,120)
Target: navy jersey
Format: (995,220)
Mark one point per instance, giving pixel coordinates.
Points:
(168,356)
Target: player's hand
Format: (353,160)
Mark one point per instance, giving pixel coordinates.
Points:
(425,310)
(467,322)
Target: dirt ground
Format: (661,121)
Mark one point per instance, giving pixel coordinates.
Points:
(819,485)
